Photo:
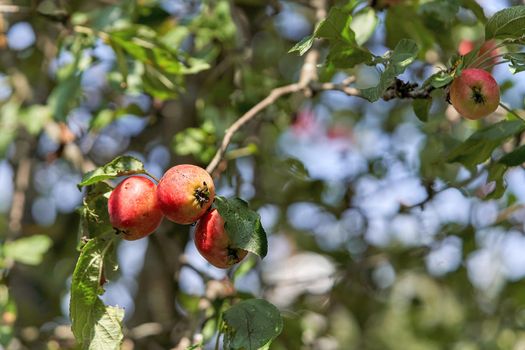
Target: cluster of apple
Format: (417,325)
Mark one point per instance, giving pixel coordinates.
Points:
(475,93)
(184,195)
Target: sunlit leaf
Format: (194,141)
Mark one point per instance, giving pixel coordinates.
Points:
(120,166)
(364,24)
(28,250)
(243,225)
(508,23)
(95,325)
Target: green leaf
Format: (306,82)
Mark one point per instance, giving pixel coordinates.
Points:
(251,324)
(403,21)
(293,168)
(422,108)
(496,173)
(514,158)
(103,118)
(49,9)
(9,112)
(440,79)
(95,325)
(158,84)
(480,145)
(94,217)
(443,10)
(344,56)
(517,61)
(28,250)
(344,51)
(122,62)
(120,166)
(140,44)
(198,142)
(304,45)
(336,26)
(403,55)
(244,267)
(508,23)
(243,225)
(34,118)
(473,6)
(364,24)
(65,96)
(194,65)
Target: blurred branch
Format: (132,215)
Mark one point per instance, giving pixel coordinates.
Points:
(21,184)
(342,87)
(13,9)
(307,75)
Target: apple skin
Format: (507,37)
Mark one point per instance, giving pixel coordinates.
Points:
(185,192)
(133,208)
(475,93)
(213,242)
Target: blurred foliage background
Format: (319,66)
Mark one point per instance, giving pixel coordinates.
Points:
(375,241)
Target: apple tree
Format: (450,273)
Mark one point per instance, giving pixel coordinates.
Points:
(245,174)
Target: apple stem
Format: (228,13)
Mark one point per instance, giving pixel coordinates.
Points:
(481,61)
(486,67)
(511,111)
(152,176)
(489,52)
(485,54)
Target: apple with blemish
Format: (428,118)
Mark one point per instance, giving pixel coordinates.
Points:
(133,208)
(185,193)
(213,242)
(474,93)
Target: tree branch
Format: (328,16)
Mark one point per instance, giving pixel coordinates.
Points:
(307,75)
(16,214)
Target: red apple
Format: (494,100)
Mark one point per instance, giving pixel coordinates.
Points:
(213,242)
(185,192)
(475,93)
(465,46)
(134,209)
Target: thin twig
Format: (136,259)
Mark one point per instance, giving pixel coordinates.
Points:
(481,56)
(308,74)
(342,87)
(492,65)
(489,59)
(511,111)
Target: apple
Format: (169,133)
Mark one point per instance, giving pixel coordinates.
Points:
(474,93)
(213,242)
(133,208)
(185,192)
